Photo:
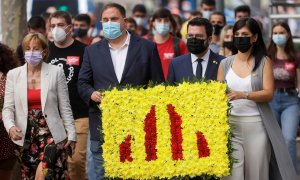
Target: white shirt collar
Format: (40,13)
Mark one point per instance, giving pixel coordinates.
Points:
(126,43)
(204,58)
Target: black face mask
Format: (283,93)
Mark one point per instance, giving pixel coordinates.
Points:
(243,44)
(78,32)
(196,46)
(228,45)
(217,29)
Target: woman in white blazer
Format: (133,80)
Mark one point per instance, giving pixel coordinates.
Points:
(37,113)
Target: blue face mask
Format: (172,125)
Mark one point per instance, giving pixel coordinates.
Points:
(279,39)
(111,30)
(162,29)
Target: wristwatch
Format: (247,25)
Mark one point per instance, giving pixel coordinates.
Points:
(246,94)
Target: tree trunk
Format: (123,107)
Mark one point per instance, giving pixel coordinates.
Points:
(13,21)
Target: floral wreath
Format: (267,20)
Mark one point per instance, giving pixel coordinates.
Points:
(167,131)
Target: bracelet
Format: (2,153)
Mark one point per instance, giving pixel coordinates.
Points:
(246,94)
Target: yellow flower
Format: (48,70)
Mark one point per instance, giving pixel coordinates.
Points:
(202,107)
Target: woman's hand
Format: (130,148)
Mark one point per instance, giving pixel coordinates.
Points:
(15,133)
(234,95)
(72,144)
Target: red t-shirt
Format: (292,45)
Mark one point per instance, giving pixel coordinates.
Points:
(166,53)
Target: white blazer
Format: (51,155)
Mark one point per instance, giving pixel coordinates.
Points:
(54,99)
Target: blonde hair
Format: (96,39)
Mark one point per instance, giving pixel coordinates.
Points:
(222,37)
(38,38)
(224,32)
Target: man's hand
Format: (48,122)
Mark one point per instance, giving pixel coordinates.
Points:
(96,96)
(15,133)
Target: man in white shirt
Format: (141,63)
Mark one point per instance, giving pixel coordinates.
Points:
(201,62)
(117,60)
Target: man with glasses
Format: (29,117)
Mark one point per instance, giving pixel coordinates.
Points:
(119,59)
(67,53)
(201,62)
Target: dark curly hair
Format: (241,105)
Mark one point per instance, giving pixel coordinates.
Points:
(8,59)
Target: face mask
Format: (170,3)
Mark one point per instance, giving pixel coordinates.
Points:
(206,14)
(217,29)
(243,44)
(279,39)
(228,45)
(33,57)
(112,30)
(59,34)
(92,32)
(78,32)
(154,31)
(162,28)
(139,21)
(196,46)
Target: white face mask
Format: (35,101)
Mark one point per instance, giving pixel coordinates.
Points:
(139,21)
(59,34)
(206,14)
(92,32)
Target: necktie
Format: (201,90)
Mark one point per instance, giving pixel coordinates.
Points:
(199,69)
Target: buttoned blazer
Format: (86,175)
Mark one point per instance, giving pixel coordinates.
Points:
(55,102)
(181,69)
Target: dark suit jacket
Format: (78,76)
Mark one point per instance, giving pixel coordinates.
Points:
(97,72)
(181,68)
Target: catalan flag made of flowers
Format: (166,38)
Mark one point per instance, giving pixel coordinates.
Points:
(166,131)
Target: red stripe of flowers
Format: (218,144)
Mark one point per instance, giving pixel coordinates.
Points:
(203,150)
(150,136)
(125,150)
(176,133)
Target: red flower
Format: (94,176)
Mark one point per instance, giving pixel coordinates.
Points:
(150,136)
(41,156)
(33,148)
(49,140)
(44,165)
(176,133)
(203,150)
(125,150)
(42,144)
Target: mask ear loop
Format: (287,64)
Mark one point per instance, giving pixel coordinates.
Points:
(124,27)
(66,28)
(42,52)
